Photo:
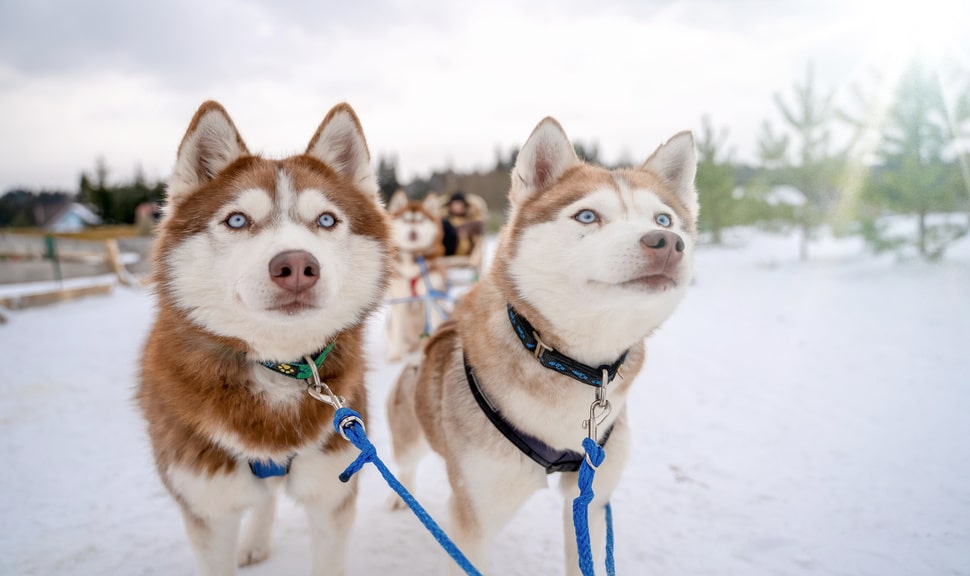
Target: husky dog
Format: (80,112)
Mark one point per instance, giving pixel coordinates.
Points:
(417,234)
(591,262)
(265,272)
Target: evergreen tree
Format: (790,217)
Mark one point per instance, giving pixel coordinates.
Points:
(387,176)
(716,180)
(918,173)
(806,161)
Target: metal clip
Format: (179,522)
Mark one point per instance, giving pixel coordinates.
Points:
(540,346)
(599,410)
(320,391)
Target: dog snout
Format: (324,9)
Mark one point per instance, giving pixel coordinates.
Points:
(663,245)
(294,270)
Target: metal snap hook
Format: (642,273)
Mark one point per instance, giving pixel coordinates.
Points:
(320,391)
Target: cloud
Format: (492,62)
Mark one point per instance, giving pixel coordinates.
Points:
(435,83)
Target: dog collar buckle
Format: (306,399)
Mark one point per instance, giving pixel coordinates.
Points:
(541,346)
(550,358)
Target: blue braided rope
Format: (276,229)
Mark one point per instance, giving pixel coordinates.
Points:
(595,455)
(610,564)
(368,453)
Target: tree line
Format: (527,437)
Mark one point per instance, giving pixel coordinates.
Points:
(904,154)
(114,203)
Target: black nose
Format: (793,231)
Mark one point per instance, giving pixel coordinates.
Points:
(294,270)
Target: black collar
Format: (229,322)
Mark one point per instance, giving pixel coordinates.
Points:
(543,454)
(554,360)
(300,369)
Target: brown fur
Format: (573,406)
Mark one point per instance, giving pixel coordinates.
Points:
(432,407)
(198,387)
(193,382)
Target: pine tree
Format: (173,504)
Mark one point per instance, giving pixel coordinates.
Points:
(806,161)
(716,180)
(919,133)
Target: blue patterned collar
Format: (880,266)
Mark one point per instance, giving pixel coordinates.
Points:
(554,360)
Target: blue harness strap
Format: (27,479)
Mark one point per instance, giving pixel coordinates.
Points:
(268,468)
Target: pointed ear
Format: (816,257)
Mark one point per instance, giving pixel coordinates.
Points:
(676,163)
(210,144)
(432,204)
(544,158)
(398,201)
(339,143)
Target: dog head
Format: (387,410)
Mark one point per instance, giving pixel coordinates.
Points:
(278,254)
(415,227)
(596,251)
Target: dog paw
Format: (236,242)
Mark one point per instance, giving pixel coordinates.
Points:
(253,555)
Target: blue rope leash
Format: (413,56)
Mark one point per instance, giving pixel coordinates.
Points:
(346,421)
(587,470)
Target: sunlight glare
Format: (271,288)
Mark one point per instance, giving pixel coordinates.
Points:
(928,30)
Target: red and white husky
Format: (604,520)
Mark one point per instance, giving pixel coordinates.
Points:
(417,232)
(261,265)
(591,262)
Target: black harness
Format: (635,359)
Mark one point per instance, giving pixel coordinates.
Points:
(550,458)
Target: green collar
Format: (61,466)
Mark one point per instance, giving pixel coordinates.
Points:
(300,369)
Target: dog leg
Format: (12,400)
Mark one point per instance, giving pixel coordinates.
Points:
(596,516)
(329,503)
(605,482)
(407,457)
(485,496)
(330,524)
(256,542)
(407,439)
(394,345)
(214,542)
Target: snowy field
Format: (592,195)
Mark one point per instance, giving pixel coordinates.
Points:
(793,418)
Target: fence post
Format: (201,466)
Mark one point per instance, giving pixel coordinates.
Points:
(51,245)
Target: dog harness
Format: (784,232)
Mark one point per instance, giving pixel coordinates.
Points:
(550,458)
(269,467)
(544,455)
(299,370)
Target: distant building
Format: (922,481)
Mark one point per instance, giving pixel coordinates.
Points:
(72,217)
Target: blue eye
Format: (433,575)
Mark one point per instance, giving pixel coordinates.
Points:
(586,216)
(326,220)
(664,220)
(237,221)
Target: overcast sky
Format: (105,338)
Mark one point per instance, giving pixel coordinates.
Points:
(438,83)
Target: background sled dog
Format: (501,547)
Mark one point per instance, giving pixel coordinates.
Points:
(591,262)
(417,232)
(259,264)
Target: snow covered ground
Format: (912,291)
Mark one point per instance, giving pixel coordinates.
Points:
(793,418)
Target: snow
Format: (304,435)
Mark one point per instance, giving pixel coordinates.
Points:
(793,418)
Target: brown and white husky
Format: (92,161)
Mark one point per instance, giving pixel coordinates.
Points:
(591,262)
(265,272)
(417,233)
